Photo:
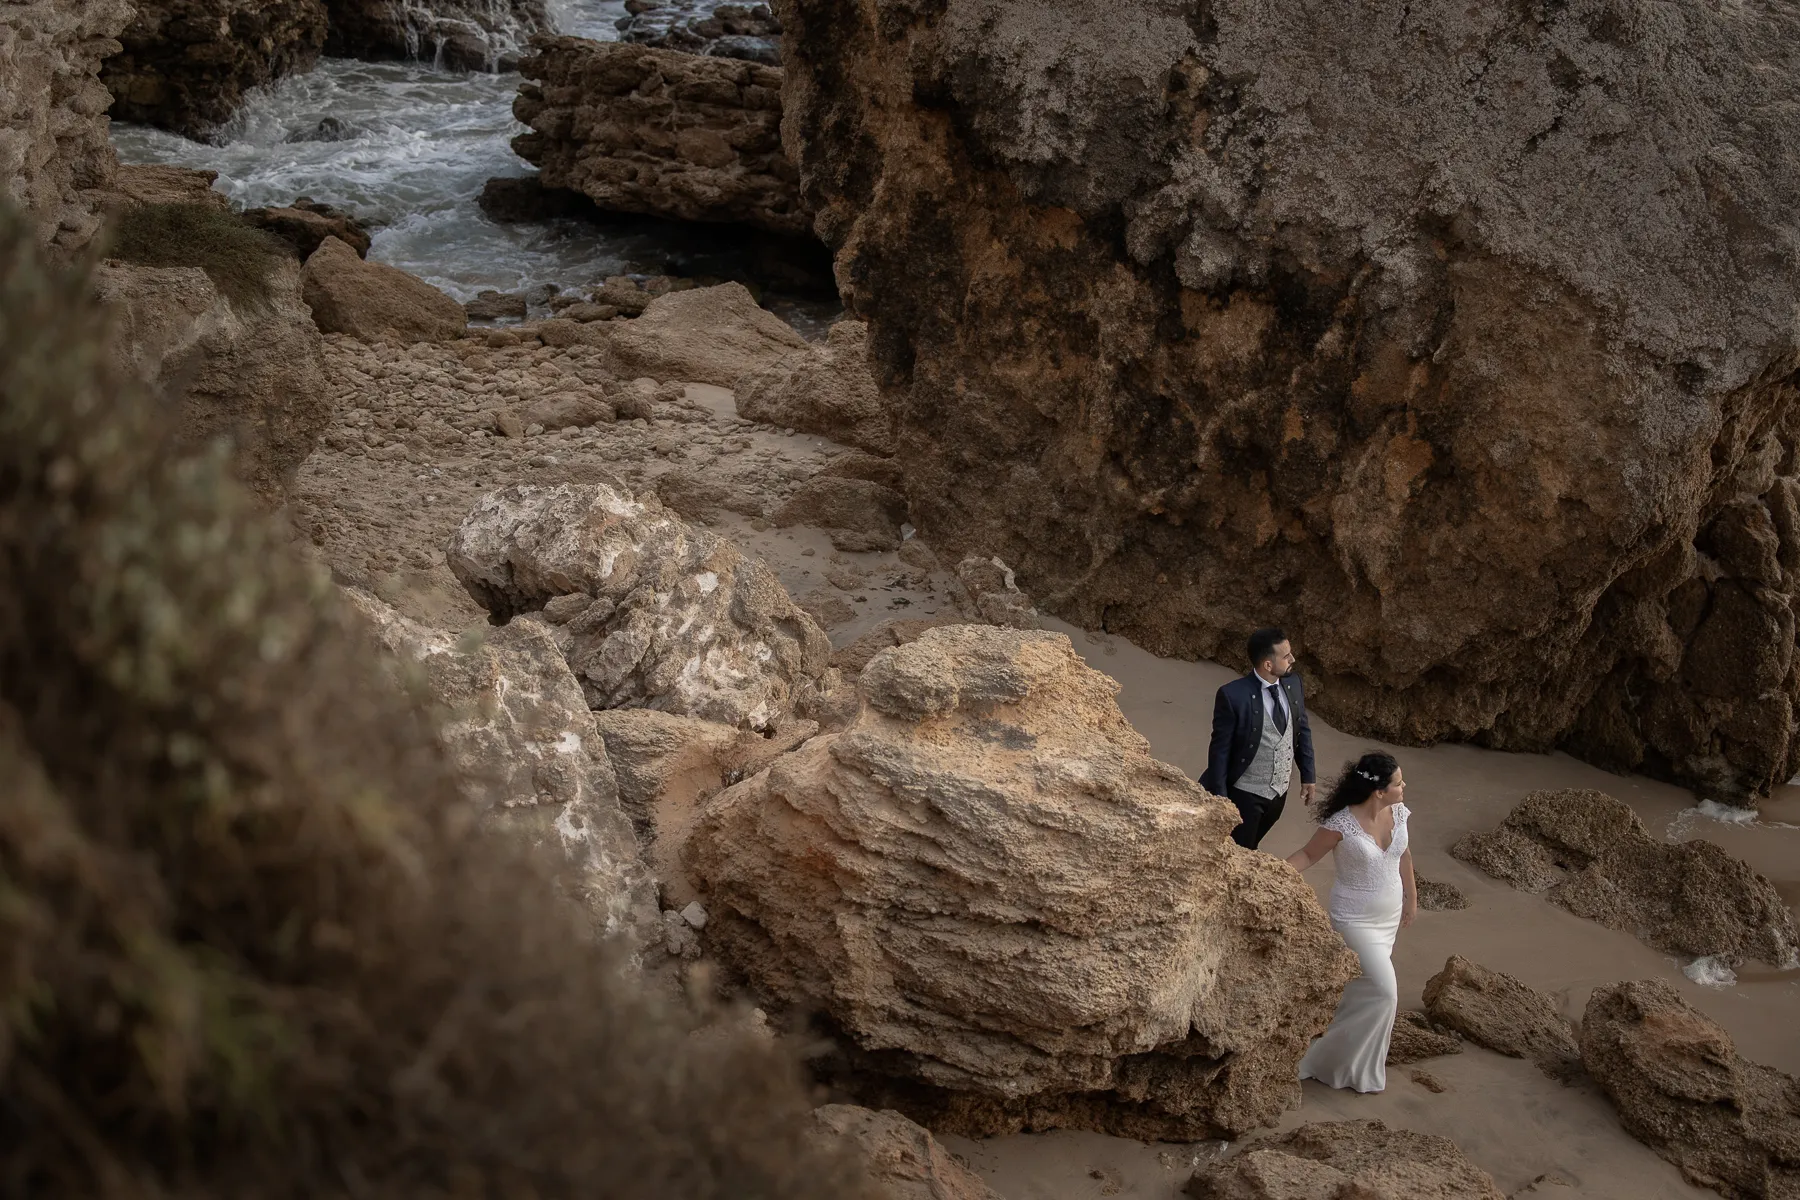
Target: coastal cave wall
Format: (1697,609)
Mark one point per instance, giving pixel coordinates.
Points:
(1460,342)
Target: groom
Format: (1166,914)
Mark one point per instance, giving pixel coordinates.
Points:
(1259,731)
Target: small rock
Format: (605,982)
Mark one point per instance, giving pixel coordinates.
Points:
(1439,897)
(991,594)
(1416,1037)
(375,302)
(1428,1081)
(560,610)
(495,306)
(1346,1160)
(694,914)
(585,312)
(1507,1016)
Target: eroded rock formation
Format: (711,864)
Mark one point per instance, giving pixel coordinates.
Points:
(526,751)
(677,619)
(186,64)
(252,372)
(1589,853)
(822,389)
(639,130)
(701,335)
(463,35)
(1681,1086)
(1480,381)
(941,880)
(55,157)
(1507,1015)
(901,1155)
(1347,1160)
(1417,1037)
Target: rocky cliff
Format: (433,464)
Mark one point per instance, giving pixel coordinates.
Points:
(186,64)
(1458,341)
(54,152)
(644,130)
(467,35)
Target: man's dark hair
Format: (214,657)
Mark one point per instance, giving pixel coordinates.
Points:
(1263,643)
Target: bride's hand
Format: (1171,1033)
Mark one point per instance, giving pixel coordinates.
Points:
(1408,911)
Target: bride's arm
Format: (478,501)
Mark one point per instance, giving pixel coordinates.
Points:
(1319,847)
(1410,908)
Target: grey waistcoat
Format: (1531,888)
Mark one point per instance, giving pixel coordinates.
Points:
(1268,773)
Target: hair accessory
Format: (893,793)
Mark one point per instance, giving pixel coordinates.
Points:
(1368,775)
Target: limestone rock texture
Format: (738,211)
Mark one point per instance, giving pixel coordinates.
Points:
(901,1155)
(1457,341)
(1590,853)
(253,374)
(679,619)
(822,389)
(941,882)
(1417,1037)
(463,35)
(1682,1088)
(375,301)
(1347,1160)
(747,31)
(54,150)
(527,752)
(186,64)
(1508,1016)
(642,130)
(701,335)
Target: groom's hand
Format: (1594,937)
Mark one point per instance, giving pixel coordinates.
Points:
(1307,791)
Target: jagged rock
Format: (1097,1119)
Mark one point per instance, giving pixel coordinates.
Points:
(1416,1038)
(991,593)
(822,389)
(701,335)
(1682,1088)
(747,31)
(186,64)
(1347,1160)
(462,35)
(510,200)
(251,372)
(526,748)
(669,766)
(941,881)
(496,306)
(639,130)
(1589,853)
(855,514)
(150,183)
(901,1155)
(306,223)
(1493,1009)
(374,301)
(1207,316)
(895,631)
(681,620)
(1437,896)
(875,468)
(55,154)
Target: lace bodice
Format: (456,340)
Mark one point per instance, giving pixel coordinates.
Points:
(1366,874)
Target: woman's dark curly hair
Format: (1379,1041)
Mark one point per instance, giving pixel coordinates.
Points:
(1359,780)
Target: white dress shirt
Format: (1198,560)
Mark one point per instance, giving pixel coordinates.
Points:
(1269,697)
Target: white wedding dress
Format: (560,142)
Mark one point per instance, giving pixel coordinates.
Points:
(1365,910)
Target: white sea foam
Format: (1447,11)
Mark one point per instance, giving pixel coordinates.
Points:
(1685,823)
(1712,971)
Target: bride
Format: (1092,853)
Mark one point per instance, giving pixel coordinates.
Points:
(1363,822)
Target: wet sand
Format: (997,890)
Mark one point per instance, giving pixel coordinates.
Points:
(1535,1136)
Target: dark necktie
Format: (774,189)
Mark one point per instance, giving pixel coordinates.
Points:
(1276,707)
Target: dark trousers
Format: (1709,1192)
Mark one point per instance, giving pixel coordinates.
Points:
(1258,815)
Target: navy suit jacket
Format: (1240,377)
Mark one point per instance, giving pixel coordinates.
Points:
(1237,731)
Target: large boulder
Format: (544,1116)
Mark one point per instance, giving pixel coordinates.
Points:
(251,372)
(527,753)
(1589,853)
(822,389)
(677,618)
(701,335)
(901,1155)
(942,882)
(186,64)
(1507,1015)
(1347,1160)
(374,301)
(641,130)
(463,35)
(55,153)
(1682,1088)
(1479,380)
